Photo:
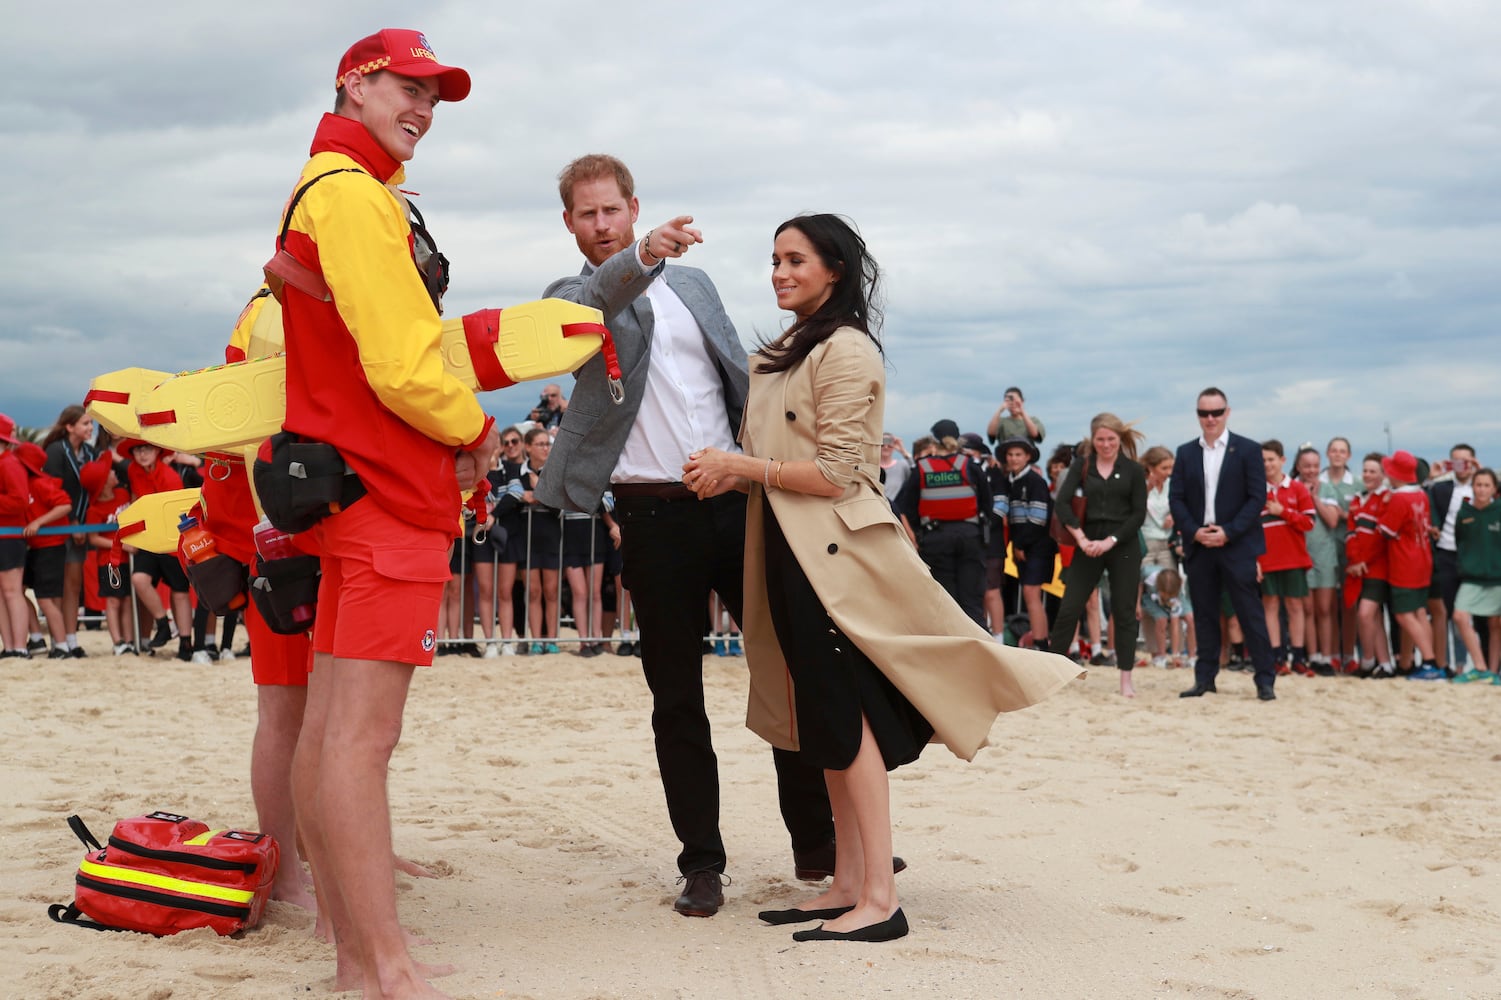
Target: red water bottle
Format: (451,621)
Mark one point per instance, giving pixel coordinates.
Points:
(197,543)
(272,543)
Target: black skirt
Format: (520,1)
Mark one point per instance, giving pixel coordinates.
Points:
(834,682)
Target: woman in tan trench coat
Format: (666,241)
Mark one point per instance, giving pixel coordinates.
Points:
(857,656)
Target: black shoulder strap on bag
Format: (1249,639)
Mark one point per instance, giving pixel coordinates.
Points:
(82,833)
(431,264)
(286,223)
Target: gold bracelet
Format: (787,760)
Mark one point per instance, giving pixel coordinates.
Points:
(779,475)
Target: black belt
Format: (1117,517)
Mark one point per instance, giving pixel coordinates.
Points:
(652,491)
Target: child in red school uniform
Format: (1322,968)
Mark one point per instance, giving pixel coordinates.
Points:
(1366,569)
(1409,555)
(15,497)
(1285,520)
(106,499)
(147,474)
(48,505)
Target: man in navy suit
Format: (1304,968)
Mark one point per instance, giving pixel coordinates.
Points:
(1216,494)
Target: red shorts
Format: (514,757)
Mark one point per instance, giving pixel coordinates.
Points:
(276,660)
(382,586)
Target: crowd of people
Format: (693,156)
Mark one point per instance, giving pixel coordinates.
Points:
(1390,569)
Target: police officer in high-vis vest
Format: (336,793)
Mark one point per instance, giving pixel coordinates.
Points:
(947,503)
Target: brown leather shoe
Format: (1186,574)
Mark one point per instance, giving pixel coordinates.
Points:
(703,894)
(818,864)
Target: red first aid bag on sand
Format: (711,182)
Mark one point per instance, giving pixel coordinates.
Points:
(165,873)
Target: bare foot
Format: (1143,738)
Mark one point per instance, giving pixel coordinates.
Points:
(860,916)
(835,897)
(1128,687)
(355,980)
(352,977)
(412,868)
(294,891)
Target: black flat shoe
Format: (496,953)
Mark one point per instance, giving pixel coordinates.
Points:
(890,929)
(1198,691)
(1265,693)
(802,916)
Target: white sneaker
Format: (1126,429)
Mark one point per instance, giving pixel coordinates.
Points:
(121,648)
(227,656)
(492,651)
(507,649)
(202,656)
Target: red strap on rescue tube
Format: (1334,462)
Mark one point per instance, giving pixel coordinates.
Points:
(482,333)
(116,553)
(612,363)
(607,347)
(105,396)
(157,418)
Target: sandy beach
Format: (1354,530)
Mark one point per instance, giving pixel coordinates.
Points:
(1344,841)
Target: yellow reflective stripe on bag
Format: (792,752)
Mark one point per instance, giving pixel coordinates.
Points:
(241,896)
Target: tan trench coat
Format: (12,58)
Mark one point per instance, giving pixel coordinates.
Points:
(829,409)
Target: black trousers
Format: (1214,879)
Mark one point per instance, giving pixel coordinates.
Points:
(1209,575)
(1080,579)
(955,553)
(675,553)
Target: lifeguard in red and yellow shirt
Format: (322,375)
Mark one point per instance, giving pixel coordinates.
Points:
(364,374)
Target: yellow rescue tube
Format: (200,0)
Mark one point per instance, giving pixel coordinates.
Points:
(231,406)
(112,398)
(150,523)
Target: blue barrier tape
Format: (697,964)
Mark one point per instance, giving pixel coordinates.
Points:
(63,529)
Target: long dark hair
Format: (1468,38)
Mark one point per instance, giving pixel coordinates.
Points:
(70,416)
(854,300)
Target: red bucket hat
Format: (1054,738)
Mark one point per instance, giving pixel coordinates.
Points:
(95,474)
(405,52)
(1401,467)
(8,430)
(32,456)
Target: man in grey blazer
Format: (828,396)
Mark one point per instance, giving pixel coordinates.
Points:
(685,383)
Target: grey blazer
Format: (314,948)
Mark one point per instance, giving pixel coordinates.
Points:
(594,428)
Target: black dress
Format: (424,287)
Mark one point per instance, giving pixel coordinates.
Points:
(833,681)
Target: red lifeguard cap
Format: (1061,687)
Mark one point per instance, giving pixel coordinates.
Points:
(405,52)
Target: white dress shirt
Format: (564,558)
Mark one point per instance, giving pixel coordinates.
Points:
(1462,492)
(1214,459)
(683,405)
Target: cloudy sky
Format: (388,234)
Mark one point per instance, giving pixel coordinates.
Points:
(1111,204)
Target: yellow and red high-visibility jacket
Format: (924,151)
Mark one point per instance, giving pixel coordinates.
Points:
(364,372)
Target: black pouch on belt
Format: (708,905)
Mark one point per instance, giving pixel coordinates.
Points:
(285,592)
(301,482)
(220,582)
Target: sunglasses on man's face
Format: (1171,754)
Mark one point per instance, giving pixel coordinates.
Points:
(1215,414)
(510,441)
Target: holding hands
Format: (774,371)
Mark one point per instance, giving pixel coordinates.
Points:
(710,472)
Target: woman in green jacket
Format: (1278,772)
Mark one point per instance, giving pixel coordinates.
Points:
(1477,534)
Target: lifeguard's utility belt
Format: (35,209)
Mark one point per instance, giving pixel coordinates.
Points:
(164,873)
